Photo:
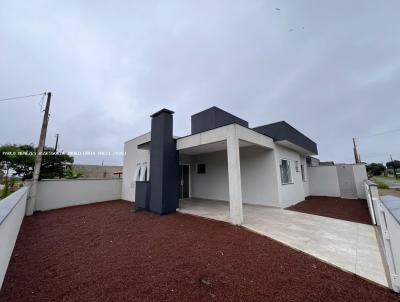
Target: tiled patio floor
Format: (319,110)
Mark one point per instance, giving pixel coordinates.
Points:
(347,245)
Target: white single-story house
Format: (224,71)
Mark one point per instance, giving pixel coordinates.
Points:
(225,159)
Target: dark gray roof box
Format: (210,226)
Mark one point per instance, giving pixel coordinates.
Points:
(212,118)
(282,131)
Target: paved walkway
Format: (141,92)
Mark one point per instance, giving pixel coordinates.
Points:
(348,245)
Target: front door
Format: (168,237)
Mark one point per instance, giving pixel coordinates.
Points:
(184,181)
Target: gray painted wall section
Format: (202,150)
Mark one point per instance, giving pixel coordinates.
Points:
(283,131)
(164,165)
(212,118)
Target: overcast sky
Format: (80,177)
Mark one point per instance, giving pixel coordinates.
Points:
(329,68)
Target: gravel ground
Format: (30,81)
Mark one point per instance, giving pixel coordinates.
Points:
(104,252)
(355,210)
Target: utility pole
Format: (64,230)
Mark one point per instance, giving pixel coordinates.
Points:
(55,148)
(30,206)
(55,154)
(394,167)
(356,155)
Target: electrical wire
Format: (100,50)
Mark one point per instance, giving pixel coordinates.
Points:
(22,97)
(377,134)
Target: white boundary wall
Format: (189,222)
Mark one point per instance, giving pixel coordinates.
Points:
(389,228)
(12,212)
(61,193)
(360,176)
(324,180)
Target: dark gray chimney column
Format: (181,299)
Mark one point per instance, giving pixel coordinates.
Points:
(164,164)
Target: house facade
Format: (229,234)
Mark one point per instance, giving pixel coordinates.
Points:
(222,159)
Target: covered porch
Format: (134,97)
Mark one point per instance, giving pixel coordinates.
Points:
(230,163)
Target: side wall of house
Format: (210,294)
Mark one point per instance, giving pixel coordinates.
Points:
(293,193)
(133,156)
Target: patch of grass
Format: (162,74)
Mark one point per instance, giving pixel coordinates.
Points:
(380,184)
(387,177)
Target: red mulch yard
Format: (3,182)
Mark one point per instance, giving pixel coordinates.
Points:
(104,252)
(355,210)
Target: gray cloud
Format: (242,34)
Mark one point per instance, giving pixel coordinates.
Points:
(331,69)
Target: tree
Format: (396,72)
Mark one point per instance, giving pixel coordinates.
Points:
(375,169)
(7,164)
(72,173)
(395,163)
(54,165)
(20,160)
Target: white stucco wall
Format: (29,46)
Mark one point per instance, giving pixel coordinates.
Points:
(290,194)
(258,174)
(60,193)
(12,212)
(360,175)
(132,157)
(324,181)
(214,183)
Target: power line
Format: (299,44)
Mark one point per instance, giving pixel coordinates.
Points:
(22,97)
(377,134)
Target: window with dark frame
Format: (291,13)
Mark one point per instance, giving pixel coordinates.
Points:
(201,168)
(303,174)
(286,173)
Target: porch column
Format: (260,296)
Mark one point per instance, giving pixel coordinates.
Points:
(235,183)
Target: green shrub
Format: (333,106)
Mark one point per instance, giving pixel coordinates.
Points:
(382,186)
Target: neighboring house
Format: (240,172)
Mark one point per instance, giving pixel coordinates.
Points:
(99,171)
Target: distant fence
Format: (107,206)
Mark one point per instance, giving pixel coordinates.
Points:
(61,193)
(382,210)
(12,212)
